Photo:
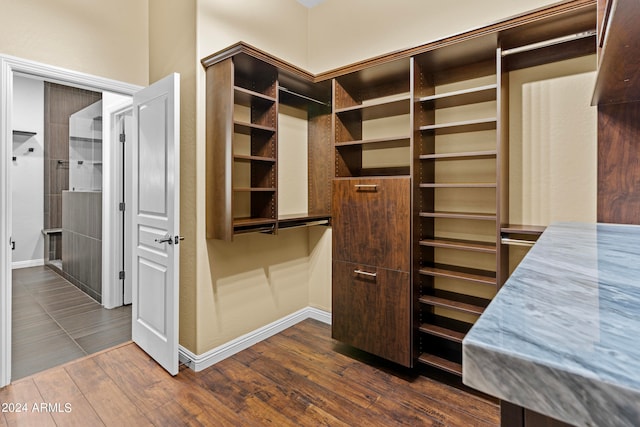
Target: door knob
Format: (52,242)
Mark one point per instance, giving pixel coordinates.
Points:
(166,239)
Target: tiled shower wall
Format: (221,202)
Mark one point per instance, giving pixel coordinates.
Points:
(60,102)
(82,240)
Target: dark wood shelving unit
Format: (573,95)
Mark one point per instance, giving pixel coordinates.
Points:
(391,295)
(242,141)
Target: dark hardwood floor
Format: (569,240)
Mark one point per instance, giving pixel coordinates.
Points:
(300,377)
(53,322)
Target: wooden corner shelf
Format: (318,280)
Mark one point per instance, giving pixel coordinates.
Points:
(248,128)
(376,109)
(249,98)
(247,158)
(396,139)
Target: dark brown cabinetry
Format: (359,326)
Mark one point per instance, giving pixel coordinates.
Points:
(371,291)
(409,154)
(371,310)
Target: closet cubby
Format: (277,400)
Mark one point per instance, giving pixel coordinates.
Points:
(372,125)
(246,89)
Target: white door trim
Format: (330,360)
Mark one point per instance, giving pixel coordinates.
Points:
(8,66)
(112,174)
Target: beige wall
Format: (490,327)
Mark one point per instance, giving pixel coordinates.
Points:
(256,279)
(172,48)
(343,32)
(108,39)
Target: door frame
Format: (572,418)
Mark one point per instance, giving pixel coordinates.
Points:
(10,65)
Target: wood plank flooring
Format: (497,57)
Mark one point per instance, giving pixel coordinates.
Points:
(300,377)
(53,322)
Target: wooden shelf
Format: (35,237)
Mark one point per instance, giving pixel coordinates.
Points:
(249,98)
(455,301)
(461,127)
(470,155)
(248,128)
(460,97)
(241,157)
(440,363)
(459,215)
(462,273)
(465,245)
(400,140)
(254,189)
(535,230)
(376,110)
(459,185)
(247,222)
(618,77)
(448,329)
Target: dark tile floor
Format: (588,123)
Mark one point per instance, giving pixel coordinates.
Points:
(54,322)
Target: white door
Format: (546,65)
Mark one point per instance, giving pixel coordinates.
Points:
(155,212)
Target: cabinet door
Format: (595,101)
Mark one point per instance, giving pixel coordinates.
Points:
(371,222)
(371,310)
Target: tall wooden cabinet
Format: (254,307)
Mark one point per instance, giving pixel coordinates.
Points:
(408,154)
(371,289)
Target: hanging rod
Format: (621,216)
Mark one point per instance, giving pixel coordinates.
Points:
(517,242)
(299,95)
(547,43)
(305,224)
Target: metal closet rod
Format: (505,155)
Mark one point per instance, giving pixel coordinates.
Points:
(548,43)
(299,95)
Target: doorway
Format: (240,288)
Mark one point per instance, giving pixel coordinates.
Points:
(12,68)
(58,272)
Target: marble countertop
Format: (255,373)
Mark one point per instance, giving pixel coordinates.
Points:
(562,336)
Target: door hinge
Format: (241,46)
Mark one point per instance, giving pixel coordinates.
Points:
(121,206)
(122,137)
(121,275)
(12,243)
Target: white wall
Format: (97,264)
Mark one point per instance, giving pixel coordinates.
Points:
(27,173)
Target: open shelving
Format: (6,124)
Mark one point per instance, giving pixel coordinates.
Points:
(372,121)
(247,89)
(455,179)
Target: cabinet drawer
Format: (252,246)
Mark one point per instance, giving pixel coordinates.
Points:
(371,310)
(371,221)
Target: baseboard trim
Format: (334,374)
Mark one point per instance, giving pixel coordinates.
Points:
(26,264)
(198,362)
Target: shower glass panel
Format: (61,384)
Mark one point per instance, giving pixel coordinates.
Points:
(85,149)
